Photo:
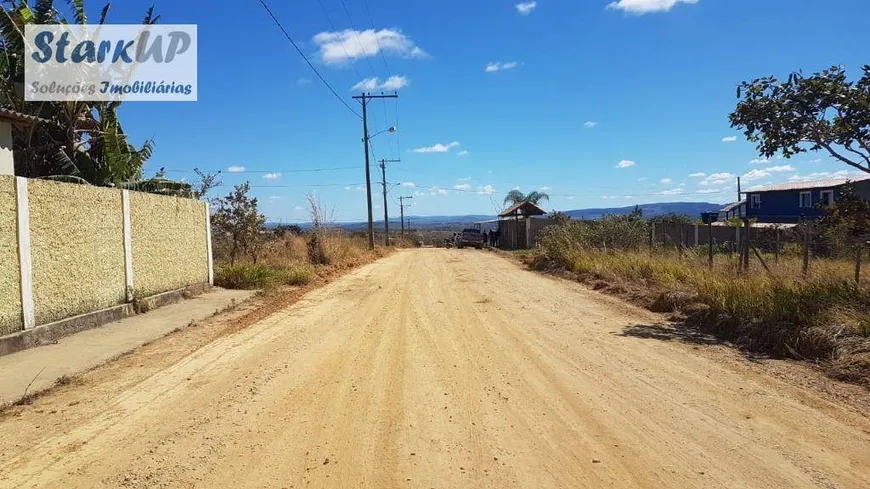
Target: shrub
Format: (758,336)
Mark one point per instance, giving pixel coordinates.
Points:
(258,276)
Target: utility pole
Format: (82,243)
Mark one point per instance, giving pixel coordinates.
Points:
(364,98)
(383,166)
(402,212)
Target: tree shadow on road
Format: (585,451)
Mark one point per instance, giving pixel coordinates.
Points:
(668,332)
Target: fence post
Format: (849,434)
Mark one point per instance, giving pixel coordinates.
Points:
(776,247)
(696,235)
(25,260)
(128,244)
(858,264)
(746,245)
(806,267)
(710,244)
(208,244)
(652,235)
(736,239)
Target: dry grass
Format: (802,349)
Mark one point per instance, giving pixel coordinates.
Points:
(824,316)
(296,260)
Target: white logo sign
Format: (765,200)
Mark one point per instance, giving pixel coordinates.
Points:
(110,62)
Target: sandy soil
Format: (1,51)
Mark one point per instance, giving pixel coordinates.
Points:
(438,369)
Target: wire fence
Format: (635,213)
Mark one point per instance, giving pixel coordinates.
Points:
(776,250)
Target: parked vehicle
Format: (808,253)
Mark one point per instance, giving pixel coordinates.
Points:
(471,237)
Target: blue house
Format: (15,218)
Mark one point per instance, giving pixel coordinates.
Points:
(790,202)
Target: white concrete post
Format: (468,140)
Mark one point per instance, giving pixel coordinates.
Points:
(208,245)
(25,261)
(696,235)
(128,244)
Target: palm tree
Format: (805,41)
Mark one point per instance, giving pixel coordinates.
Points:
(515,197)
(82,140)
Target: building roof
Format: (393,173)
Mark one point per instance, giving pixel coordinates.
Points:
(808,184)
(9,115)
(524,208)
(734,206)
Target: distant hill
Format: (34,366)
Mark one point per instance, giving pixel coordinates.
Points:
(693,209)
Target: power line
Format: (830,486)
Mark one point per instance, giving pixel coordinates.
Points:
(287,35)
(477,191)
(334,29)
(301,170)
(377,40)
(364,51)
(302,185)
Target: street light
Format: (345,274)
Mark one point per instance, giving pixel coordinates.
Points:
(366,139)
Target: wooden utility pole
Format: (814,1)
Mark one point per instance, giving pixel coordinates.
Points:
(739,198)
(364,99)
(402,212)
(383,165)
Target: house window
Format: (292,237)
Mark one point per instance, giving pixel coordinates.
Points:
(827,198)
(806,200)
(755,201)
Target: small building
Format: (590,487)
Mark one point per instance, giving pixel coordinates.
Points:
(517,227)
(737,209)
(8,119)
(790,202)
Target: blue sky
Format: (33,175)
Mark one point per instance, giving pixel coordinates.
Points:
(599,103)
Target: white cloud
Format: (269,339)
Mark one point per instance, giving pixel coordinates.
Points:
(675,191)
(485,190)
(609,197)
(545,188)
(303,81)
(409,184)
(759,161)
(466,179)
(360,188)
(698,175)
(729,139)
(272,176)
(436,190)
(570,197)
(276,197)
(709,190)
(462,153)
(625,164)
(347,188)
(820,175)
(508,65)
(462,186)
(516,188)
(394,82)
(718,179)
(665,180)
(766,172)
(818,160)
(298,208)
(437,148)
(525,8)
(756,187)
(236,169)
(641,7)
(589,124)
(336,48)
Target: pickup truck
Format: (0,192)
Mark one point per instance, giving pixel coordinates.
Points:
(471,237)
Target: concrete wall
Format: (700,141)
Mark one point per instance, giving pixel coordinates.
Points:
(10,291)
(7,164)
(79,253)
(170,247)
(77,239)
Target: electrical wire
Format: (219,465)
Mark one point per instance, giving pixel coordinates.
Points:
(372,23)
(301,170)
(364,51)
(334,29)
(287,35)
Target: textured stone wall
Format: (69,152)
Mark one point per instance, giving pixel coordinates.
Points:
(169,242)
(77,238)
(10,292)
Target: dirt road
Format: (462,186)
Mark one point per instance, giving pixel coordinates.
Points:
(443,369)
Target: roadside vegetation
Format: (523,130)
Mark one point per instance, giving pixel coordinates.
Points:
(823,316)
(249,255)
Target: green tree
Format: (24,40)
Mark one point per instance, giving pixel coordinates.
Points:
(824,111)
(237,223)
(516,197)
(81,141)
